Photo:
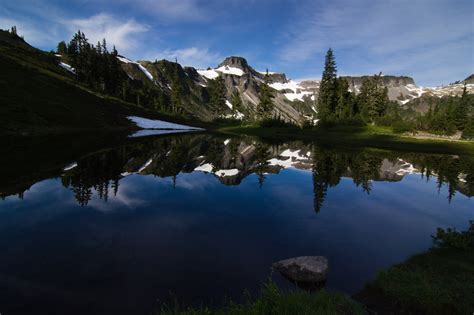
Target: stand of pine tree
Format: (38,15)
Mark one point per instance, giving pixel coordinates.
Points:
(337,105)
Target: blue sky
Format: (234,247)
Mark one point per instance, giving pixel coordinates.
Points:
(430,40)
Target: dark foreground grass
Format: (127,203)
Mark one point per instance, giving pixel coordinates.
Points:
(440,281)
(273,300)
(367,136)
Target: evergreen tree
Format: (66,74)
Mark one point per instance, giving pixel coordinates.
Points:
(217,93)
(327,99)
(262,156)
(462,110)
(62,48)
(265,107)
(373,98)
(345,105)
(176,90)
(468,132)
(237,106)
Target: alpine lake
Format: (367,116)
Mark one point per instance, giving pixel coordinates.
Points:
(100,224)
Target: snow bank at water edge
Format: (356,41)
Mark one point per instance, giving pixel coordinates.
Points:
(155,132)
(146,123)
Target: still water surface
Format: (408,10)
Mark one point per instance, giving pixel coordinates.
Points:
(201,218)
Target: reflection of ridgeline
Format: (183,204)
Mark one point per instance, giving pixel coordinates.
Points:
(231,160)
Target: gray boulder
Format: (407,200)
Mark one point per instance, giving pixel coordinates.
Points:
(309,269)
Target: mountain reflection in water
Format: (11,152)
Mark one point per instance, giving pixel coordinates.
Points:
(231,160)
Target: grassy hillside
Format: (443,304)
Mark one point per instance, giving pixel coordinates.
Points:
(38,96)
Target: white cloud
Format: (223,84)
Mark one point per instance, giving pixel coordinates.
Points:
(391,36)
(191,56)
(117,32)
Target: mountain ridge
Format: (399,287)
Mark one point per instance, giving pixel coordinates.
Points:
(401,89)
(156,85)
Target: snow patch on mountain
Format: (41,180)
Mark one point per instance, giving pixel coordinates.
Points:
(297,91)
(298,96)
(209,74)
(142,68)
(231,70)
(289,85)
(67,67)
(125,60)
(145,71)
(214,73)
(145,165)
(70,166)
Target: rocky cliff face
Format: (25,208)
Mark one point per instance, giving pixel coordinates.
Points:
(238,77)
(402,89)
(241,78)
(469,79)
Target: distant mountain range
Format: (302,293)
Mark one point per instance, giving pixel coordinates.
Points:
(294,100)
(51,80)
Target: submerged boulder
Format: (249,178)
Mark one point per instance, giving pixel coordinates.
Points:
(304,269)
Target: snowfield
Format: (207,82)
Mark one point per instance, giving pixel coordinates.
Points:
(214,73)
(70,166)
(298,91)
(145,71)
(125,60)
(67,67)
(230,70)
(209,74)
(146,123)
(142,68)
(290,85)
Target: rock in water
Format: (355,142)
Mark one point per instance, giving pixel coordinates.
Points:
(305,269)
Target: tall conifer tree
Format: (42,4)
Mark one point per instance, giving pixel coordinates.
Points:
(327,99)
(265,107)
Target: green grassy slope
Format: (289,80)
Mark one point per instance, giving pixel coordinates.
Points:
(37,96)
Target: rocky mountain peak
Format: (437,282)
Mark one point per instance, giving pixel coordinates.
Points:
(469,79)
(387,80)
(236,62)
